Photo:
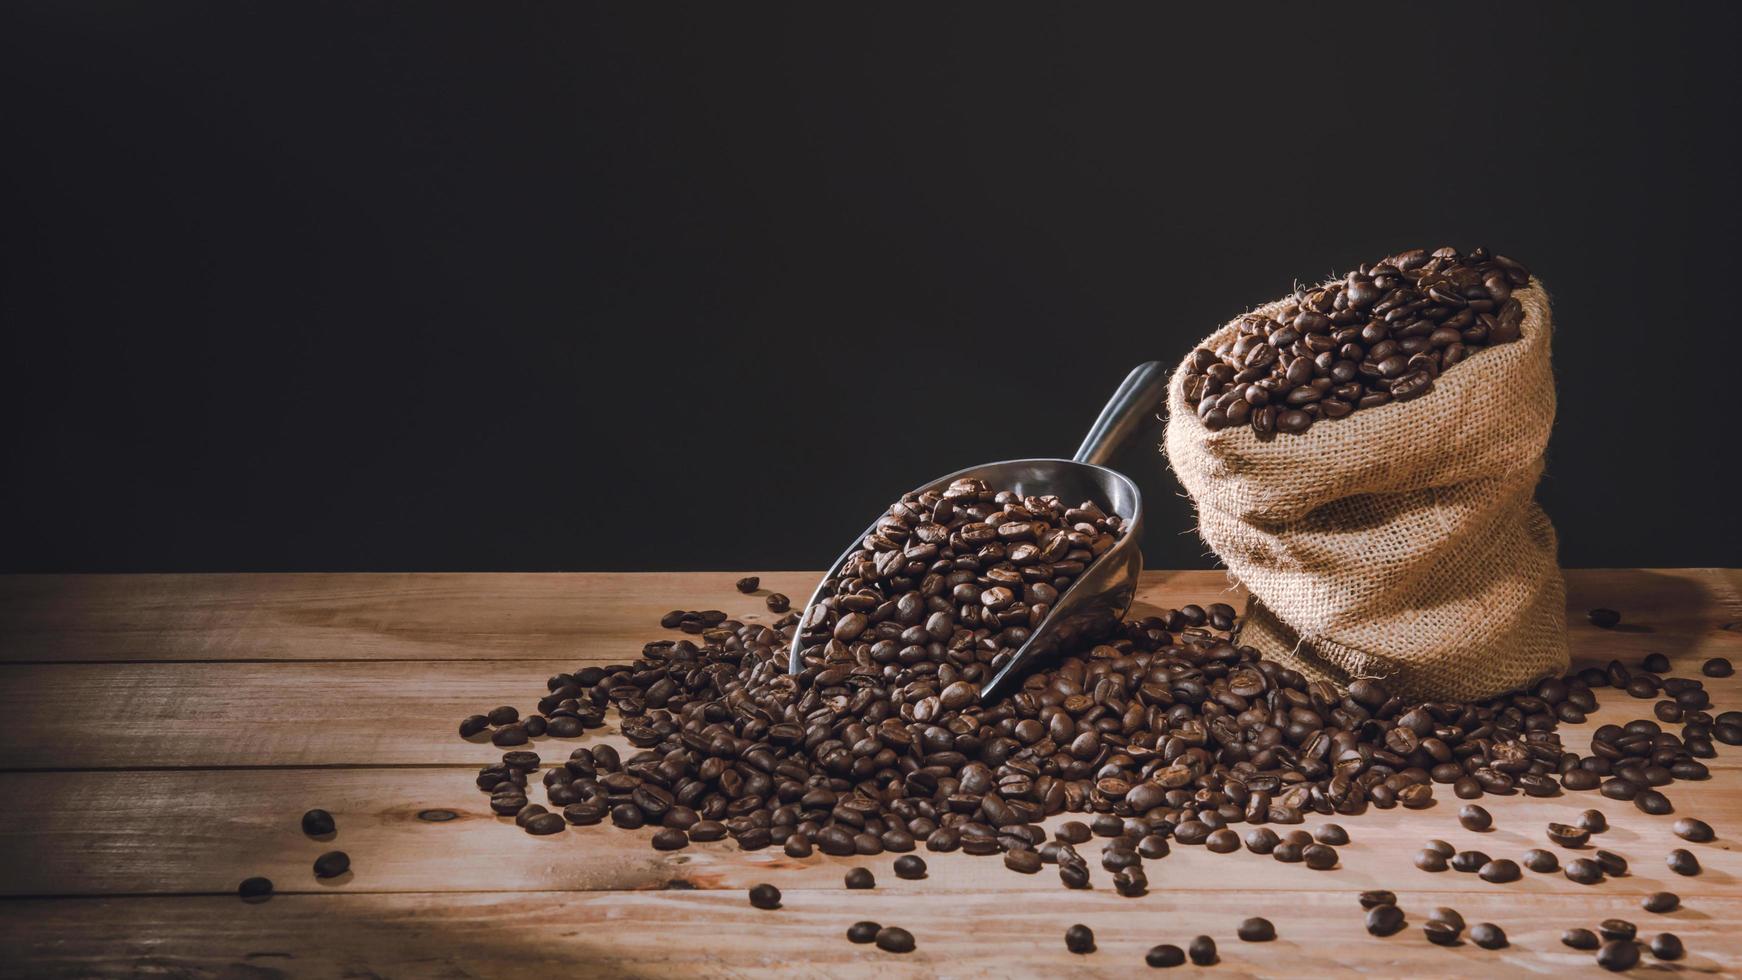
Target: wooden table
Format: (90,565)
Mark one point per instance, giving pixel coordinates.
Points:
(165,732)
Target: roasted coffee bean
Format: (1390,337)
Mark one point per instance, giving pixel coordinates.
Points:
(508,735)
(1619,789)
(1080,939)
(748,584)
(707,831)
(1690,829)
(545,824)
(332,864)
(1332,834)
(1652,802)
(1073,832)
(1385,920)
(1428,859)
(1618,955)
(1449,916)
(1202,951)
(863,932)
(1604,618)
(765,896)
(472,725)
(1537,859)
(777,602)
(1131,882)
(1683,862)
(527,813)
(1256,930)
(318,823)
(1023,861)
(1441,933)
(893,939)
(1318,857)
(1108,825)
(1580,939)
(1617,929)
(910,867)
(1580,779)
(1500,871)
(505,715)
(1667,946)
(254,889)
(1567,835)
(1657,663)
(1717,667)
(1442,848)
(1661,902)
(796,846)
(1488,935)
(1164,956)
(1074,875)
(1613,865)
(1288,853)
(1583,871)
(521,759)
(1377,897)
(1469,861)
(1594,821)
(1152,846)
(1261,840)
(1222,841)
(1473,817)
(860,878)
(1466,788)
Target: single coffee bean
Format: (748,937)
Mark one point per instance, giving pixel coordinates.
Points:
(1428,859)
(521,759)
(1469,861)
(1222,841)
(1074,875)
(437,816)
(1202,951)
(1108,825)
(1080,939)
(765,896)
(1604,618)
(1683,862)
(1377,897)
(1567,835)
(505,715)
(1319,857)
(1613,865)
(1652,802)
(1537,859)
(1661,902)
(670,839)
(1667,946)
(1583,871)
(1475,818)
(748,584)
(1717,667)
(472,725)
(1131,882)
(332,864)
(1152,846)
(508,735)
(1467,788)
(1385,920)
(528,812)
(1500,871)
(1288,853)
(910,867)
(893,939)
(1023,861)
(860,878)
(1165,955)
(1488,935)
(545,824)
(1442,848)
(1580,939)
(1619,789)
(863,932)
(1657,663)
(1618,955)
(1440,933)
(254,889)
(1449,916)
(315,823)
(1261,840)
(796,846)
(1256,930)
(1698,831)
(535,726)
(1617,929)
(1594,821)
(1073,832)
(1332,834)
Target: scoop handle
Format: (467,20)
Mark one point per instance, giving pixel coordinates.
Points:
(1143,389)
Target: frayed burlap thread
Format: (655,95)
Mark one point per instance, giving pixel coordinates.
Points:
(1402,542)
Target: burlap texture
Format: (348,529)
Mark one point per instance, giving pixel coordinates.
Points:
(1402,542)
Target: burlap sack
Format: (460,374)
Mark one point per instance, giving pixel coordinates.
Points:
(1402,542)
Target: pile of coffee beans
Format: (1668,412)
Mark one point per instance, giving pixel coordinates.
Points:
(1379,335)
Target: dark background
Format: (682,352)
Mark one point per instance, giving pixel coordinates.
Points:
(574,286)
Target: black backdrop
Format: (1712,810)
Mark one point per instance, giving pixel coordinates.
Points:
(511,286)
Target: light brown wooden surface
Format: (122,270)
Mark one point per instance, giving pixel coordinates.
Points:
(165,733)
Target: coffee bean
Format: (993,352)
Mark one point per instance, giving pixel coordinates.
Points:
(508,735)
(1617,929)
(1667,946)
(1428,859)
(1261,840)
(535,726)
(1131,882)
(1152,846)
(1594,821)
(1385,920)
(1256,930)
(545,824)
(1567,835)
(505,715)
(1475,818)
(521,759)
(1583,871)
(1442,848)
(1488,935)
(1440,933)
(1698,831)
(1661,902)
(1717,667)
(527,813)
(1469,861)
(1683,862)
(1580,939)
(765,896)
(1449,916)
(893,939)
(317,823)
(1164,956)
(1080,939)
(1318,857)
(1657,663)
(1618,955)
(863,932)
(254,889)
(1202,951)
(1604,618)
(1332,834)
(332,864)
(860,878)
(1500,871)
(1222,841)
(1580,779)
(1377,897)
(1108,825)
(1613,865)
(1288,853)
(910,867)
(1023,861)
(1073,832)
(1652,802)
(1074,875)
(472,725)
(1537,859)
(798,845)
(1467,788)
(748,584)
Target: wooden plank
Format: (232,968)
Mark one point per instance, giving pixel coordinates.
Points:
(584,616)
(718,934)
(191,832)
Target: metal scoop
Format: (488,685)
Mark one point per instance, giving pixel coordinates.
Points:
(1101,595)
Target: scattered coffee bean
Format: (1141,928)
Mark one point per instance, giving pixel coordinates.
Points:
(1467,788)
(506,714)
(332,864)
(1580,939)
(1131,882)
(1469,861)
(669,839)
(1080,939)
(1074,875)
(1073,832)
(1442,848)
(1584,871)
(863,932)
(893,939)
(910,867)
(1593,821)
(508,735)
(1108,825)
(1717,667)
(748,584)
(1332,834)
(1652,802)
(1657,663)
(1488,935)
(1613,865)
(1256,930)
(1667,946)
(1377,897)
(1165,955)
(317,823)
(777,602)
(860,878)
(1618,955)
(1318,857)
(472,725)
(1152,846)
(1690,829)
(1683,862)
(1023,861)
(1661,902)
(1222,841)
(1604,618)
(1617,929)
(545,824)
(1567,835)
(1537,859)
(437,816)
(765,896)
(1202,951)
(254,889)
(798,846)
(1475,818)
(1449,916)
(1430,860)
(1288,853)
(1499,871)
(1261,840)
(1384,920)
(1440,933)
